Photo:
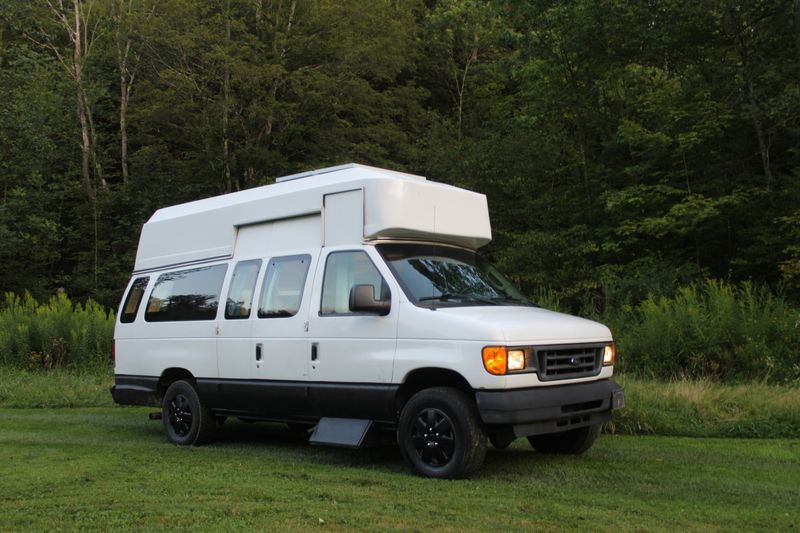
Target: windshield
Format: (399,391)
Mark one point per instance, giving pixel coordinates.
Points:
(438,276)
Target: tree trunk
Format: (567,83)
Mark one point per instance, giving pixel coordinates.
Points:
(123,129)
(763,139)
(123,52)
(81,102)
(797,35)
(752,101)
(84,119)
(226,95)
(461,84)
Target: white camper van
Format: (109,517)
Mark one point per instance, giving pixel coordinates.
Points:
(351,301)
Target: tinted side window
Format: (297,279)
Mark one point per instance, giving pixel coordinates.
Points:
(240,293)
(343,270)
(186,295)
(282,290)
(131,306)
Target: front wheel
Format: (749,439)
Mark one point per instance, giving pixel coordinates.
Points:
(440,433)
(571,442)
(187,420)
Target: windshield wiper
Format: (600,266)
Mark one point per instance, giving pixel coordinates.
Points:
(444,297)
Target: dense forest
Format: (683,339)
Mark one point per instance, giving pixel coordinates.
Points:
(626,147)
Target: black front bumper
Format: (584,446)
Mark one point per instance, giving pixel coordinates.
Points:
(551,409)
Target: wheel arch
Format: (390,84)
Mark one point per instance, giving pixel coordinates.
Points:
(424,378)
(170,376)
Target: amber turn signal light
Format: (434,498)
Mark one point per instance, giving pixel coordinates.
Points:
(495,360)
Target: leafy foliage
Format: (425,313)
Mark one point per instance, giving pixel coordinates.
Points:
(56,334)
(625,148)
(715,330)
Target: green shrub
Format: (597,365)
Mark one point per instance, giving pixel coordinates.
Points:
(711,330)
(55,334)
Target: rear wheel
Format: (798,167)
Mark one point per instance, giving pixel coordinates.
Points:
(440,433)
(571,442)
(187,420)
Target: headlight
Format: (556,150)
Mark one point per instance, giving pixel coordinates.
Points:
(516,359)
(609,353)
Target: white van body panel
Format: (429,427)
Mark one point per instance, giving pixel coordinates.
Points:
(285,345)
(344,217)
(287,235)
(358,348)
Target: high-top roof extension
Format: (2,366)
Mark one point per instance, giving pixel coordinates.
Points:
(395,206)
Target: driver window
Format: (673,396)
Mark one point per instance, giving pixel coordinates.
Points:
(343,270)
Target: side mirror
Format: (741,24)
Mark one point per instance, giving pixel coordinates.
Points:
(362,300)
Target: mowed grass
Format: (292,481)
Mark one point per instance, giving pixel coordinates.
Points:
(111,469)
(55,388)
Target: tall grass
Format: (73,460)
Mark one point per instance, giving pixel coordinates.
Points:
(713,329)
(704,408)
(55,334)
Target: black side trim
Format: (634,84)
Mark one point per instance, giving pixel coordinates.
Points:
(135,390)
(544,404)
(293,400)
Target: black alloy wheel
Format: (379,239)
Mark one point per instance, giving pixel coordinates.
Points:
(440,433)
(187,419)
(433,437)
(180,415)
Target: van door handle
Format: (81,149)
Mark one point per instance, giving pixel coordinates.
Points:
(258,352)
(314,350)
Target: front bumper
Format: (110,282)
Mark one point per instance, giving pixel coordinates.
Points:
(550,409)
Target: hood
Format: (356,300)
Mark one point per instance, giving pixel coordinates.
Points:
(531,325)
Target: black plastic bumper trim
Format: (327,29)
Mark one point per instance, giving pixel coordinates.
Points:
(135,390)
(550,403)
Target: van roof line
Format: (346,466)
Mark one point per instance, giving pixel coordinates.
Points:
(309,173)
(336,168)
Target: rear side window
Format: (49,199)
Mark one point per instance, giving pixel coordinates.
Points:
(131,306)
(282,290)
(186,295)
(240,294)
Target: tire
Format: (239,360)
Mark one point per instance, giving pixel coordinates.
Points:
(187,420)
(457,449)
(571,442)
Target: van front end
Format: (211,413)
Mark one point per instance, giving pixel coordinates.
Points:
(562,399)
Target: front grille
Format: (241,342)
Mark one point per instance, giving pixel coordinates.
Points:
(569,362)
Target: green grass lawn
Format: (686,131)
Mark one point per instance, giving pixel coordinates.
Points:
(110,468)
